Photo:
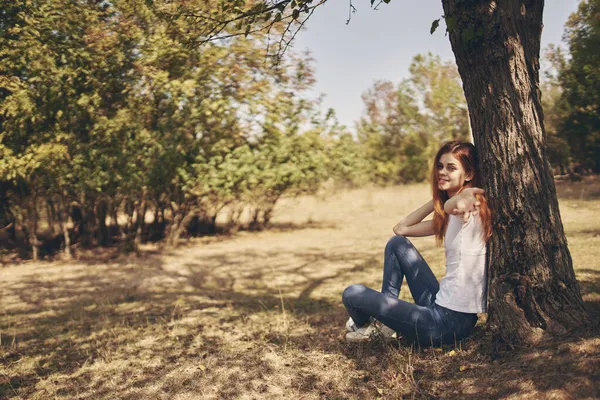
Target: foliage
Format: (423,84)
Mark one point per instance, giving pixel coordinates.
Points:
(103,109)
(554,113)
(108,110)
(579,77)
(405,123)
(215,20)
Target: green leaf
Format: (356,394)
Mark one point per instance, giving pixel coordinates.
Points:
(434,25)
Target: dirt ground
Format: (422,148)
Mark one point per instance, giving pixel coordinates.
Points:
(258,315)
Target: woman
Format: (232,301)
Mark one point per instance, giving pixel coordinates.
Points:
(443,312)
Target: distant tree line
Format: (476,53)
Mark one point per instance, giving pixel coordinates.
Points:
(107,119)
(571,94)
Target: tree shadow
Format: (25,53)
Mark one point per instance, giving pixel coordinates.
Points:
(106,310)
(82,317)
(587,232)
(589,283)
(276,226)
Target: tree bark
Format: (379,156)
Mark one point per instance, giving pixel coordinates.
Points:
(51,215)
(32,225)
(185,220)
(532,285)
(102,231)
(171,230)
(63,220)
(235,212)
(144,228)
(88,220)
(129,211)
(269,208)
(140,212)
(114,215)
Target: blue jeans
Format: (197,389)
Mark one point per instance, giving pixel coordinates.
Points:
(424,321)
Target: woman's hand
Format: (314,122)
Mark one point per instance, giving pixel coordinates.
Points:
(465,203)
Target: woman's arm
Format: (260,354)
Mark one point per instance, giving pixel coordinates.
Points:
(413,224)
(465,203)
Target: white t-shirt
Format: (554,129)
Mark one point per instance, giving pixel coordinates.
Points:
(463,288)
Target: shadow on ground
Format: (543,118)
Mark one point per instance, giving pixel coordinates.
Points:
(61,322)
(156,331)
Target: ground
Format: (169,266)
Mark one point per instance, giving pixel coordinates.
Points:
(258,315)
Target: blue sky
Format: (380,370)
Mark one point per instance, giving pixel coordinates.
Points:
(380,44)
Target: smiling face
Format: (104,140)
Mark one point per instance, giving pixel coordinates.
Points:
(451,175)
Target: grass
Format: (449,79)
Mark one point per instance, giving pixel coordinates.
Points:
(259,315)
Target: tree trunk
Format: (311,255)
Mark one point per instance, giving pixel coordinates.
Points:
(7,236)
(63,220)
(156,214)
(171,228)
(532,285)
(32,225)
(129,210)
(51,215)
(173,231)
(255,215)
(144,228)
(88,221)
(114,215)
(268,214)
(102,231)
(185,220)
(140,212)
(269,208)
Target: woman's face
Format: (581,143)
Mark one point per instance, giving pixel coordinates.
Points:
(451,174)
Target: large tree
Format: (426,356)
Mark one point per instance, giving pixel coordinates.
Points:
(532,285)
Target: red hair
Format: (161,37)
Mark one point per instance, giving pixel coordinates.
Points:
(466,154)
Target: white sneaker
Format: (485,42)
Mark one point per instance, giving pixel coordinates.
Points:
(386,331)
(351,325)
(372,329)
(362,334)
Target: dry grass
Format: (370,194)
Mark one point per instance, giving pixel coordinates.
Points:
(259,315)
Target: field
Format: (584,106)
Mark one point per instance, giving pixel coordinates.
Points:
(258,315)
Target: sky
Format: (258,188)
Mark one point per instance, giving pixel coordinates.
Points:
(380,44)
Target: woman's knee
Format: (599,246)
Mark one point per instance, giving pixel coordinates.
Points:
(352,292)
(397,242)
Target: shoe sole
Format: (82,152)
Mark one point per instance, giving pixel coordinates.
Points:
(358,339)
(374,336)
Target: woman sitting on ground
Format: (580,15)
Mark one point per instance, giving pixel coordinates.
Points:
(443,312)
